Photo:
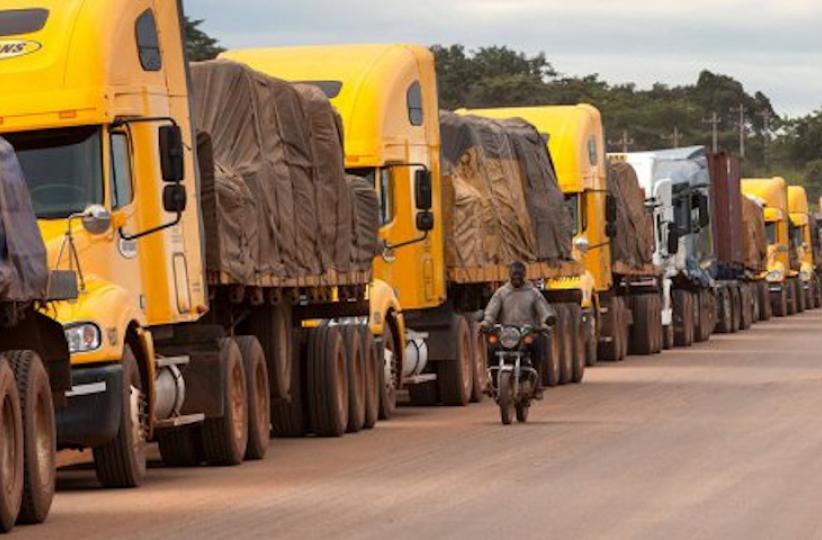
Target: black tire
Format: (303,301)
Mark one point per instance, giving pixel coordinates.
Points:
(355,362)
(121,462)
(736,302)
(591,340)
(817,297)
(225,439)
(756,306)
(11,448)
(288,416)
(790,293)
(800,296)
(683,318)
(657,307)
(181,447)
(391,371)
(39,435)
(259,397)
(454,375)
(779,301)
(747,306)
(765,307)
(551,352)
(272,327)
(668,337)
(505,399)
(565,332)
(707,313)
(578,343)
(725,323)
(479,373)
(642,339)
(372,379)
(424,394)
(522,410)
(327,382)
(611,349)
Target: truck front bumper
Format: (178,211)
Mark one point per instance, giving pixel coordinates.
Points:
(92,416)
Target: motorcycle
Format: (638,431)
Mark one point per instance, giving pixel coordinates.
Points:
(513,379)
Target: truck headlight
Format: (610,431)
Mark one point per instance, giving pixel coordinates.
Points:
(83,337)
(804,275)
(775,275)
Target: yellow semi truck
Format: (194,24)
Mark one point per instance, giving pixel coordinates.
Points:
(161,349)
(387,97)
(772,193)
(621,303)
(801,244)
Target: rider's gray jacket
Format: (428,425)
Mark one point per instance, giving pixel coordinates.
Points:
(518,306)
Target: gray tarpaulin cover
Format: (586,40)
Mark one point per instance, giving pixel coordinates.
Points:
(279,204)
(633,245)
(502,201)
(23,263)
(755,241)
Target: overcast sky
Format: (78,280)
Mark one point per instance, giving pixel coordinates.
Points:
(772,46)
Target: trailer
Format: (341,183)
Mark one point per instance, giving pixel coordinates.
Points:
(34,354)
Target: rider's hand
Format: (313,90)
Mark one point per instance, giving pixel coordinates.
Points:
(550,320)
(484,327)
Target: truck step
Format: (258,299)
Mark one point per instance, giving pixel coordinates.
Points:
(179,421)
(423,378)
(165,361)
(87,389)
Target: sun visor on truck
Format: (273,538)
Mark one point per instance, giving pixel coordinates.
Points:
(23,262)
(502,200)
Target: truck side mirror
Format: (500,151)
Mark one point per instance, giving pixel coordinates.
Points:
(610,209)
(174,198)
(425,220)
(422,189)
(704,212)
(673,239)
(171,153)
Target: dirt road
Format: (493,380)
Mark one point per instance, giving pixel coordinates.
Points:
(722,440)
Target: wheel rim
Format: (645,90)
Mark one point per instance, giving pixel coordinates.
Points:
(137,416)
(8,447)
(237,399)
(44,442)
(389,363)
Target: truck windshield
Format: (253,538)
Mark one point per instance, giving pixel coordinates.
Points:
(770,231)
(382,181)
(572,204)
(796,236)
(63,169)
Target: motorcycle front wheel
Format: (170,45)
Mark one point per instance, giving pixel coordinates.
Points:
(522,412)
(506,397)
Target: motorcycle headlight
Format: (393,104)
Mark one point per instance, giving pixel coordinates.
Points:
(82,337)
(509,337)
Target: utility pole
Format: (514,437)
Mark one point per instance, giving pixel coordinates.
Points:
(766,132)
(714,121)
(674,137)
(624,142)
(741,125)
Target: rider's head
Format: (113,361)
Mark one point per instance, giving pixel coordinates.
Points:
(517,274)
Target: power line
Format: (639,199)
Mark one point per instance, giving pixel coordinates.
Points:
(741,125)
(766,132)
(674,137)
(714,121)
(624,142)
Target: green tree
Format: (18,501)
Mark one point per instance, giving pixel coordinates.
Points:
(199,45)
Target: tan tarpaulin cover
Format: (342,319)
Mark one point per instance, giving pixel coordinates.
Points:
(754,240)
(502,201)
(633,245)
(278,205)
(23,265)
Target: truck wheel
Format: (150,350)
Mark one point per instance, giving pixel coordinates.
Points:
(272,327)
(11,449)
(259,397)
(181,447)
(817,297)
(590,340)
(668,337)
(479,352)
(355,361)
(765,308)
(565,332)
(390,372)
(372,380)
(327,382)
(578,341)
(756,308)
(725,323)
(121,462)
(705,320)
(288,416)
(610,350)
(790,292)
(660,330)
(736,309)
(683,318)
(800,296)
(551,352)
(779,301)
(39,444)
(424,394)
(225,439)
(747,306)
(641,341)
(454,375)
(505,400)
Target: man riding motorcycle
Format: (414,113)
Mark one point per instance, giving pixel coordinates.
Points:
(519,303)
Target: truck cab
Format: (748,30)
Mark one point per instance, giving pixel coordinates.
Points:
(387,98)
(801,243)
(773,195)
(95,103)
